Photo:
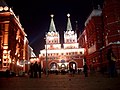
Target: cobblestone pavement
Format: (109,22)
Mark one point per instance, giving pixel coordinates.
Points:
(61,82)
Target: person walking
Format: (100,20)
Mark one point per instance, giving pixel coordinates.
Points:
(85,70)
(71,71)
(35,67)
(31,70)
(112,63)
(39,69)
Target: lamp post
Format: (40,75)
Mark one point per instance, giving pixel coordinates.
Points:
(118,46)
(46,57)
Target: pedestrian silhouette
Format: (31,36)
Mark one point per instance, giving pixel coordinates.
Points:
(7,73)
(79,71)
(35,67)
(31,70)
(111,61)
(85,70)
(39,69)
(71,71)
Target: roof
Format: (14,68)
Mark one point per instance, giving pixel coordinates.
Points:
(52,25)
(69,26)
(95,12)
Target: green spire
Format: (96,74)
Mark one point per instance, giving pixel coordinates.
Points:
(69,26)
(52,25)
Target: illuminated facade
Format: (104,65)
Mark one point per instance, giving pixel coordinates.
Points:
(111,18)
(14,53)
(56,57)
(101,32)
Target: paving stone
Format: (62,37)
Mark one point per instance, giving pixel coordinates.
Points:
(61,82)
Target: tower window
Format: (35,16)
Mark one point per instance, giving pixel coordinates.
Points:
(75,52)
(4,59)
(80,52)
(66,53)
(69,53)
(4,64)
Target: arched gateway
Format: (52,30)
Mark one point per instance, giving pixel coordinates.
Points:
(53,66)
(73,65)
(60,56)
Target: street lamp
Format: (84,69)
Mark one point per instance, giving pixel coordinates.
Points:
(46,57)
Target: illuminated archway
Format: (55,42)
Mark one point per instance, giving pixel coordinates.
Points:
(63,66)
(73,65)
(53,66)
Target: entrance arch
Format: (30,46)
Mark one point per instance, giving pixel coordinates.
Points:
(72,65)
(53,66)
(63,66)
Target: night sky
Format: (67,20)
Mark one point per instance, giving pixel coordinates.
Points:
(35,16)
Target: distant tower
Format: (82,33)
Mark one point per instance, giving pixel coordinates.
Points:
(61,58)
(52,36)
(70,36)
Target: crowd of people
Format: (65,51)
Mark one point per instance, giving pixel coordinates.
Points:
(35,70)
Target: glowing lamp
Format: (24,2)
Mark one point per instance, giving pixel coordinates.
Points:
(5,8)
(1,8)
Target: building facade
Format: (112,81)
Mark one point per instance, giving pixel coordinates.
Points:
(102,32)
(111,18)
(56,57)
(14,54)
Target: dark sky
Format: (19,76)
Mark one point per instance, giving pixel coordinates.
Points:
(35,16)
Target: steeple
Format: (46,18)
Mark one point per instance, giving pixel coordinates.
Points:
(69,26)
(52,25)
